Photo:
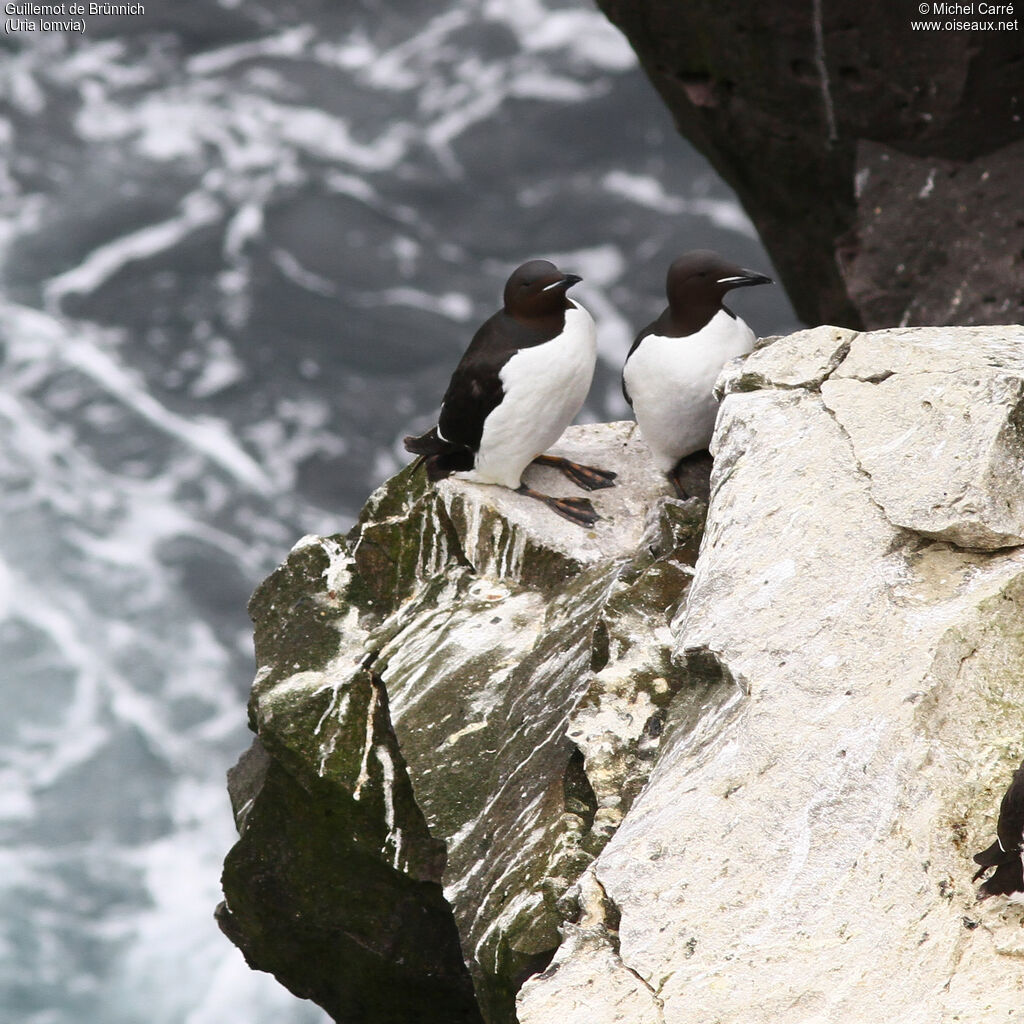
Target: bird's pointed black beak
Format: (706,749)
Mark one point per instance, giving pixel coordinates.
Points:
(566,282)
(745,279)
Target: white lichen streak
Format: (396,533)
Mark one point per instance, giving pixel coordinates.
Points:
(364,766)
(453,891)
(455,634)
(414,646)
(471,542)
(339,571)
(514,553)
(467,731)
(387,768)
(525,903)
(819,61)
(340,709)
(280,693)
(433,546)
(509,544)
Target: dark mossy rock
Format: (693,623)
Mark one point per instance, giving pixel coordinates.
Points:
(466,691)
(311,903)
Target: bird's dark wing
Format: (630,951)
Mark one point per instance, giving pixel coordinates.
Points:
(475,389)
(649,329)
(1011,813)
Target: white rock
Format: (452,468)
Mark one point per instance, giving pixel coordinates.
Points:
(945,412)
(799,360)
(594,986)
(801,853)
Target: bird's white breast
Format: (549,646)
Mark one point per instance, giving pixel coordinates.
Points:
(670,379)
(544,388)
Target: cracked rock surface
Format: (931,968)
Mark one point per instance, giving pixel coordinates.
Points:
(855,629)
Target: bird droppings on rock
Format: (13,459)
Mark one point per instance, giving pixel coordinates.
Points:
(479,609)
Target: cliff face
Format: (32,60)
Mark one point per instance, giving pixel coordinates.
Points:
(803,854)
(851,138)
(752,786)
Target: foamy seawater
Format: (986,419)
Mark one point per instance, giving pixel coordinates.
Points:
(241,250)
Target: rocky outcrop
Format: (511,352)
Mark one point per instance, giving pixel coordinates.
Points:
(466,691)
(850,137)
(509,769)
(802,851)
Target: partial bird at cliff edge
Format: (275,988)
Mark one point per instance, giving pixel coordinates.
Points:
(1006,854)
(518,386)
(671,369)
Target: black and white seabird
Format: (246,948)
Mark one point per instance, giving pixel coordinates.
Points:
(672,367)
(1006,854)
(520,383)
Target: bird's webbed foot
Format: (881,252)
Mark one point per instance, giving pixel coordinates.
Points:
(576,510)
(590,478)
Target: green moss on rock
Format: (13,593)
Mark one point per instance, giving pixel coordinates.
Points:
(418,688)
(332,920)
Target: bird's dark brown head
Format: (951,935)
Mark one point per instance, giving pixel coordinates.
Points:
(700,279)
(536,290)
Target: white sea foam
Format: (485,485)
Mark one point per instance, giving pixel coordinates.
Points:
(19,87)
(293,434)
(647,191)
(586,34)
(179,929)
(292,269)
(453,305)
(244,227)
(197,210)
(221,368)
(289,43)
(83,350)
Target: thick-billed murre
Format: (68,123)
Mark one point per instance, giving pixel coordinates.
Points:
(671,369)
(1006,854)
(518,386)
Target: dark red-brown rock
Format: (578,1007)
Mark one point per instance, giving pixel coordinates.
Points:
(830,120)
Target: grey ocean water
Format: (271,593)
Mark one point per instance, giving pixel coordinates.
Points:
(241,248)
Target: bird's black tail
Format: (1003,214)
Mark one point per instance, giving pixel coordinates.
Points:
(426,444)
(442,458)
(989,858)
(1008,876)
